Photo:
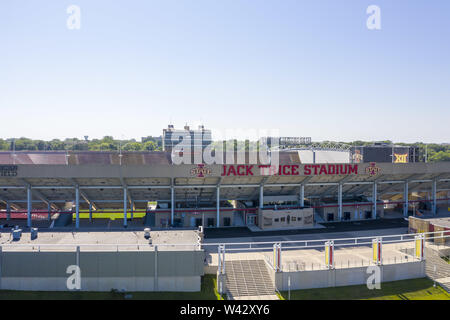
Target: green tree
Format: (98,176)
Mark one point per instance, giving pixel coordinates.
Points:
(149,146)
(132,146)
(440,156)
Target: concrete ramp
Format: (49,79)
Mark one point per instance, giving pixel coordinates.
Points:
(248,280)
(149,219)
(444,283)
(442,274)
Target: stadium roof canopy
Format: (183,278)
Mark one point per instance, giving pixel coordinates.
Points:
(148,176)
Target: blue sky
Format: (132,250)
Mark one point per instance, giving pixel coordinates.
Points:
(307,68)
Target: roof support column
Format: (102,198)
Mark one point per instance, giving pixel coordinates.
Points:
(125,200)
(172,204)
(302,196)
(29,206)
(261,196)
(77,207)
(8,211)
(218,206)
(433,191)
(49,209)
(405,199)
(90,211)
(340,201)
(375,197)
(132,209)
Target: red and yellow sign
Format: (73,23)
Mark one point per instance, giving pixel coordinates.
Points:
(290,169)
(372,169)
(200,171)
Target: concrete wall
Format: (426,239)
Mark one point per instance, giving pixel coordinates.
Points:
(103,271)
(175,284)
(417,225)
(324,156)
(357,212)
(347,276)
(184,170)
(162,218)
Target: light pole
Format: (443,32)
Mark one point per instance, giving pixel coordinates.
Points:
(13,141)
(434,284)
(120,150)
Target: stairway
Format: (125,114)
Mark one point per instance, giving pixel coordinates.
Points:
(442,274)
(318,218)
(246,278)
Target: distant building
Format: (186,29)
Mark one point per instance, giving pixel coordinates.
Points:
(384,152)
(186,139)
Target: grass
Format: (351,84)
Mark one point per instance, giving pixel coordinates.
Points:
(208,291)
(414,289)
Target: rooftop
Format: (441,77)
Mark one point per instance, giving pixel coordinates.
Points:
(126,240)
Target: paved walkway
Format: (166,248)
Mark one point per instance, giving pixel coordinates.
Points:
(444,283)
(266,297)
(314,259)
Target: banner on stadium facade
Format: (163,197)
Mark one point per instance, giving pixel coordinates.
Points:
(329,254)
(277,257)
(419,246)
(377,251)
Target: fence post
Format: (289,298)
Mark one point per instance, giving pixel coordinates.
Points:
(78,256)
(156,269)
(1,257)
(221,268)
(329,254)
(289,287)
(377,251)
(277,257)
(419,246)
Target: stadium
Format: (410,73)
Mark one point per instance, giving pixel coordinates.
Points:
(78,189)
(142,222)
(208,150)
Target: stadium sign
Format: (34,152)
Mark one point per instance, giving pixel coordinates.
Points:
(8,171)
(291,170)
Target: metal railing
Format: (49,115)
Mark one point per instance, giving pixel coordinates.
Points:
(242,246)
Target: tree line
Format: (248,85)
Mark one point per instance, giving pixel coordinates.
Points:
(434,151)
(107,143)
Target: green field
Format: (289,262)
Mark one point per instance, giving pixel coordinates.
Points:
(208,292)
(414,289)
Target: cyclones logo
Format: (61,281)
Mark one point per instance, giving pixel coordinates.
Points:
(372,169)
(200,171)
